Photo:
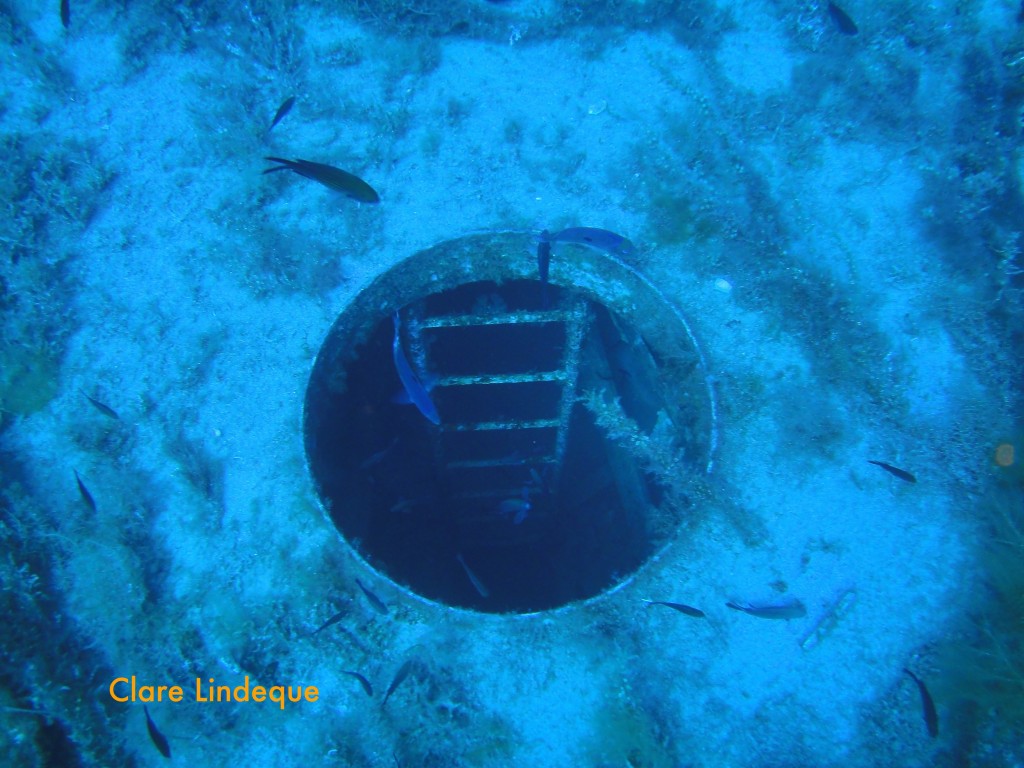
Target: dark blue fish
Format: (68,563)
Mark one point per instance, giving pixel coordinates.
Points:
(106,410)
(414,388)
(65,13)
(362,681)
(400,675)
(376,458)
(598,239)
(376,602)
(341,181)
(90,502)
(543,264)
(695,612)
(902,474)
(283,110)
(842,19)
(331,621)
(931,717)
(159,740)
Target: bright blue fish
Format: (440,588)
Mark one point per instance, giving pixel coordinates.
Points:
(414,388)
(516,507)
(591,237)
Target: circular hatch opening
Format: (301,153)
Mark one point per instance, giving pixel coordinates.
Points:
(541,444)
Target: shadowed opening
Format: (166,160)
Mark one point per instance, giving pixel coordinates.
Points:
(562,462)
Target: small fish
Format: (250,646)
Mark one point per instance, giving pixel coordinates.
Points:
(400,675)
(473,579)
(283,110)
(334,178)
(154,733)
(792,609)
(362,681)
(696,613)
(902,474)
(931,717)
(375,601)
(90,502)
(330,622)
(404,506)
(543,265)
(376,458)
(106,410)
(516,507)
(598,239)
(842,19)
(414,388)
(65,13)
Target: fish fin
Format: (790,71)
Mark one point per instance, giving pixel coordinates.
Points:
(285,165)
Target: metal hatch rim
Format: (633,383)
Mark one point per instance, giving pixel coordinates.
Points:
(524,271)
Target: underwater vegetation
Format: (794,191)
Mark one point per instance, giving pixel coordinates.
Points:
(700,194)
(973,209)
(626,735)
(49,192)
(984,667)
(675,217)
(45,662)
(973,213)
(31,340)
(656,452)
(660,455)
(28,381)
(497,20)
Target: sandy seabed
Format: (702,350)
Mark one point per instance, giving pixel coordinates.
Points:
(810,202)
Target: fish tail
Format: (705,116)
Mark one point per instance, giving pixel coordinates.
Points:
(285,165)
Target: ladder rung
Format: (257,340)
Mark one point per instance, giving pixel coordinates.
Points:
(485,426)
(505,493)
(497,318)
(504,462)
(501,378)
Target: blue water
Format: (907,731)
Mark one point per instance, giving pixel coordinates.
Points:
(826,273)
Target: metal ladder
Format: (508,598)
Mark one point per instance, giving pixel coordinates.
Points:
(499,470)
